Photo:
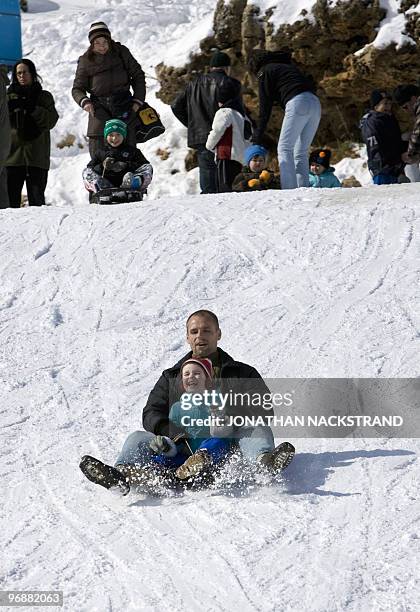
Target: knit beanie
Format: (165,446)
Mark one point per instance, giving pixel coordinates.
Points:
(403,93)
(321,157)
(219,60)
(377,96)
(205,363)
(115,125)
(252,151)
(229,90)
(97,29)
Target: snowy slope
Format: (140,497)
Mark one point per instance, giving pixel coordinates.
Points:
(92,308)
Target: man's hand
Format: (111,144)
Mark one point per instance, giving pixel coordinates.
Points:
(161,445)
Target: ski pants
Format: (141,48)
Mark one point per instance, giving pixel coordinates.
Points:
(227,170)
(252,441)
(36,182)
(300,123)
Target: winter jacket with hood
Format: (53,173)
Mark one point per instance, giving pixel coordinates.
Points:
(32,115)
(227,136)
(382,135)
(197,105)
(168,390)
(114,162)
(107,79)
(414,140)
(326,179)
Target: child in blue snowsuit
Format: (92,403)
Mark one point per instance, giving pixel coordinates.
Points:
(321,173)
(200,450)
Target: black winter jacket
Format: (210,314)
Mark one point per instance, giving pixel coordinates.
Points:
(168,390)
(196,106)
(120,160)
(382,135)
(278,83)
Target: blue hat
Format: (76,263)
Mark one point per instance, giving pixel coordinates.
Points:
(254,150)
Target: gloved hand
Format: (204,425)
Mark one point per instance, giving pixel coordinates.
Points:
(136,182)
(15,103)
(253,183)
(266,176)
(161,445)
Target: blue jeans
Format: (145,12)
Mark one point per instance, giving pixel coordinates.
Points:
(300,123)
(252,442)
(385,179)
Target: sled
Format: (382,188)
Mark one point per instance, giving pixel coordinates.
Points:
(116,195)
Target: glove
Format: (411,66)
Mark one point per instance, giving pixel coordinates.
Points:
(161,445)
(253,183)
(265,176)
(136,182)
(15,103)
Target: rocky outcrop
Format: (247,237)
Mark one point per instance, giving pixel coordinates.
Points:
(334,44)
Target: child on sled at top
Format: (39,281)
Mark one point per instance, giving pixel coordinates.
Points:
(118,164)
(255,175)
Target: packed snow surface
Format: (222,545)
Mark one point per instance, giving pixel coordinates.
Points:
(93,304)
(92,309)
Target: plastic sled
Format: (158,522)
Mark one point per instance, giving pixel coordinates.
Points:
(116,195)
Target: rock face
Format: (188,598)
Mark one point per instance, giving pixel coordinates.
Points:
(324,45)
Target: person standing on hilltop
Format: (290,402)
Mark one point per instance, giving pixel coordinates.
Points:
(101,87)
(196,106)
(280,80)
(4,136)
(32,115)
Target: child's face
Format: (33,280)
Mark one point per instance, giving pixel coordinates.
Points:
(384,106)
(257,163)
(317,169)
(193,378)
(114,139)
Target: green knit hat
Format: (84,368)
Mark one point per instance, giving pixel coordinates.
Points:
(115,125)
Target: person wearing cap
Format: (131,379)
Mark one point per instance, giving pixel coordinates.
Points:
(280,81)
(382,135)
(196,106)
(229,135)
(256,444)
(255,176)
(4,136)
(109,83)
(189,457)
(32,115)
(117,164)
(321,174)
(408,98)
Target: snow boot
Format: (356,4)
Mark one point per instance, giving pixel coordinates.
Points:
(195,465)
(279,458)
(149,478)
(102,474)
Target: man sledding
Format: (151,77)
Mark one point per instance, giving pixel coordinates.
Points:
(119,172)
(170,453)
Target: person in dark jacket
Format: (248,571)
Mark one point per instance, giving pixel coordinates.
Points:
(4,136)
(382,135)
(408,97)
(280,81)
(195,108)
(104,75)
(118,164)
(255,443)
(32,115)
(255,175)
